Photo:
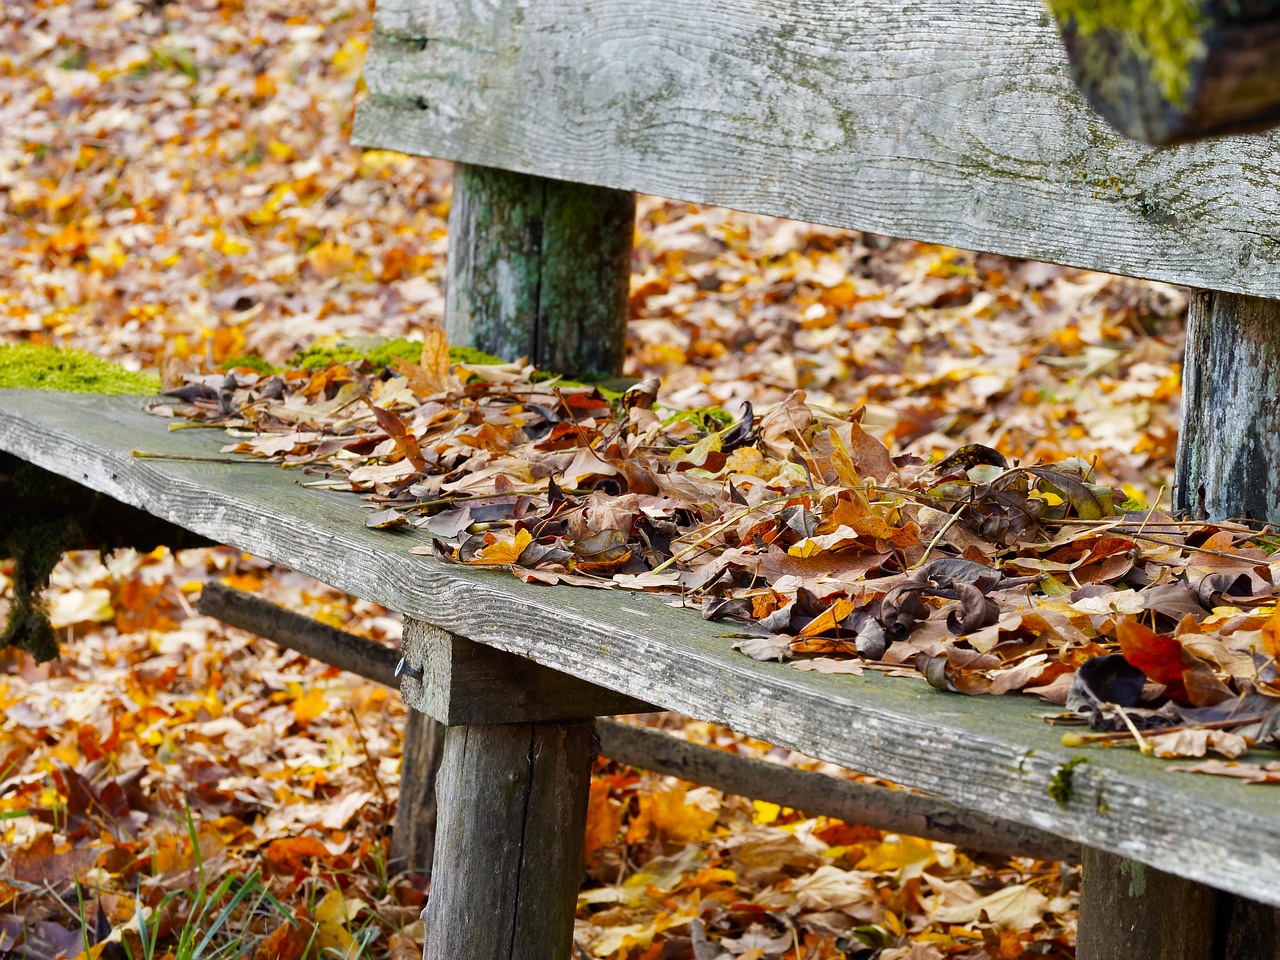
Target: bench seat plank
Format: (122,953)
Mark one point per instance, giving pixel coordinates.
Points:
(992,754)
(952,123)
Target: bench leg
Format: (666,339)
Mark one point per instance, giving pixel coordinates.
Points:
(508,862)
(1129,911)
(539,268)
(413,840)
(1230,440)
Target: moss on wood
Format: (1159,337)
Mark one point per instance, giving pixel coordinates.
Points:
(54,368)
(1165,35)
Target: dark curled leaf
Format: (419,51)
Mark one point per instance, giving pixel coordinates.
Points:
(742,433)
(948,571)
(970,455)
(935,671)
(799,520)
(1269,732)
(975,612)
(1212,590)
(539,554)
(1109,679)
(901,609)
(727,608)
(194,391)
(1072,488)
(871,641)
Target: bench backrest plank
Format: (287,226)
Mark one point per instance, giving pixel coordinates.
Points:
(950,123)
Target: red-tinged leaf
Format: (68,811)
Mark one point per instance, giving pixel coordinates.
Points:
(1158,656)
(42,861)
(288,854)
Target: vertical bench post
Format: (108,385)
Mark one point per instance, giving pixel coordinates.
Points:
(513,811)
(511,795)
(539,268)
(1229,448)
(1228,459)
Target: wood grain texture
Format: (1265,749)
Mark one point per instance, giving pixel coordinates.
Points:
(992,754)
(513,813)
(464,682)
(540,269)
(1130,911)
(1245,929)
(952,123)
(896,811)
(1229,447)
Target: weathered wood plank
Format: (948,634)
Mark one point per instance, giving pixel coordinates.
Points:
(1229,446)
(513,813)
(539,268)
(952,123)
(1132,911)
(898,811)
(320,641)
(464,682)
(985,753)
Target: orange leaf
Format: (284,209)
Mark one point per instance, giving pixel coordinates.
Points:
(829,619)
(1158,656)
(1271,635)
(604,818)
(288,853)
(431,373)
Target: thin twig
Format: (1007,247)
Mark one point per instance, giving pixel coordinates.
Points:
(147,455)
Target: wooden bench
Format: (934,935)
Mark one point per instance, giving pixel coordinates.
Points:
(953,125)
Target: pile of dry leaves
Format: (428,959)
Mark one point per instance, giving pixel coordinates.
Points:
(984,576)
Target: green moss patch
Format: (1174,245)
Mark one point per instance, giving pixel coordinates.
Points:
(53,368)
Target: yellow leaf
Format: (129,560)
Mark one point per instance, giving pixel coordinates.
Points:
(309,707)
(766,812)
(229,246)
(350,56)
(333,921)
(805,549)
(674,816)
(503,551)
(328,259)
(908,856)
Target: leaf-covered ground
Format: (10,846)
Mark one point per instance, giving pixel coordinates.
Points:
(177,189)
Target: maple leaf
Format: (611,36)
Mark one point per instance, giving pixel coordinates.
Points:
(430,374)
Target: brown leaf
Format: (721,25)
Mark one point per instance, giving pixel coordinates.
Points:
(405,441)
(430,374)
